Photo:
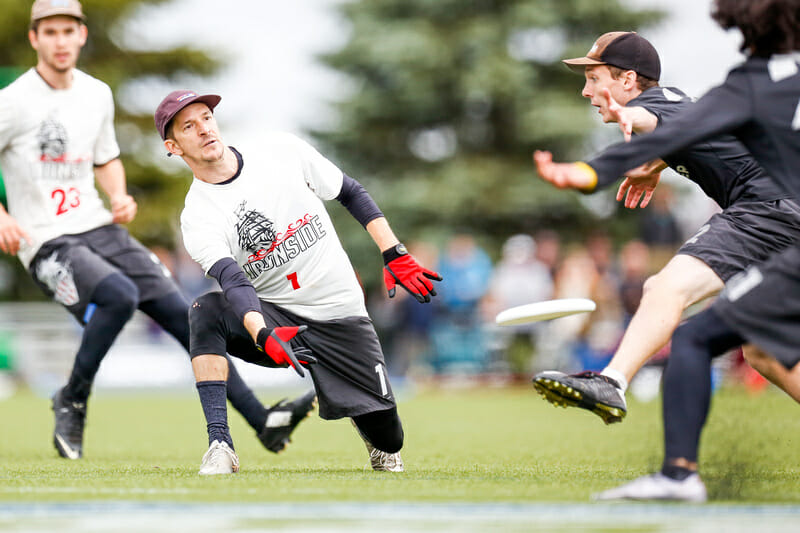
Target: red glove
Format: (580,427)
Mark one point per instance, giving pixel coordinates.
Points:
(275,343)
(401,268)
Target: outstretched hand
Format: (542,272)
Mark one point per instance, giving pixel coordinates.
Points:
(640,183)
(563,175)
(633,190)
(406,272)
(620,114)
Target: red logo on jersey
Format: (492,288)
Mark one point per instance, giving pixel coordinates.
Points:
(279,238)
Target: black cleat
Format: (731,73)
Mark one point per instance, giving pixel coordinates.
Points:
(70,421)
(283,418)
(588,390)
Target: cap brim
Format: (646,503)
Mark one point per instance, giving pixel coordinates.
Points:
(59,13)
(578,64)
(211,100)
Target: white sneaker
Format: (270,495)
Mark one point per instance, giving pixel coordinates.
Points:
(219,459)
(380,460)
(658,487)
(383,461)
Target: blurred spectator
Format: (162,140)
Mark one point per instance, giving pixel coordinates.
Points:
(659,227)
(585,341)
(548,249)
(601,251)
(634,270)
(458,339)
(518,279)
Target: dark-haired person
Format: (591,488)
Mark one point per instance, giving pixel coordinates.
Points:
(255,221)
(759,103)
(56,139)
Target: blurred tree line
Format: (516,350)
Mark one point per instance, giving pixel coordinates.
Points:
(448,99)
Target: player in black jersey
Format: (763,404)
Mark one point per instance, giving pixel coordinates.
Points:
(758,218)
(759,103)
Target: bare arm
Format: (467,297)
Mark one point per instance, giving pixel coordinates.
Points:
(111,178)
(381,233)
(564,175)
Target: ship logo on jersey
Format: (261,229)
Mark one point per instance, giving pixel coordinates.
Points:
(256,232)
(52,138)
(57,163)
(57,277)
(270,249)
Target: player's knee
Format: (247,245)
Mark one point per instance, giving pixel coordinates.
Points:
(650,284)
(383,429)
(117,294)
(204,313)
(664,285)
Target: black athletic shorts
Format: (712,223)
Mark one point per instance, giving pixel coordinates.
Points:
(350,376)
(744,234)
(69,268)
(763,305)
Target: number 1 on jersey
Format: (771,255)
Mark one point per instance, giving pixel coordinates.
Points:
(293,278)
(382,379)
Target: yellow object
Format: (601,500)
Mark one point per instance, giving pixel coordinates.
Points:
(591,174)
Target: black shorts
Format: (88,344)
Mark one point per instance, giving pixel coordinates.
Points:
(763,305)
(350,376)
(744,234)
(69,268)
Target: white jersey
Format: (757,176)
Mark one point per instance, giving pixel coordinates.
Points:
(271,220)
(50,141)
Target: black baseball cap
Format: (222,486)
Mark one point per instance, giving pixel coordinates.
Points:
(177,100)
(622,49)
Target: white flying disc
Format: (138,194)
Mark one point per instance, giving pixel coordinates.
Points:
(546,310)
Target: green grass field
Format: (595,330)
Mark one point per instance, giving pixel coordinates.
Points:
(469,445)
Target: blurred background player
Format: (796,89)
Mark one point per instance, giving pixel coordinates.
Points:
(758,103)
(56,138)
(257,224)
(758,217)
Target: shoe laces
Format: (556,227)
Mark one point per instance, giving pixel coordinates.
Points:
(589,374)
(219,452)
(384,459)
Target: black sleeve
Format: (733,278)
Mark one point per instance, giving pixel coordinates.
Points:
(721,110)
(664,103)
(355,198)
(237,289)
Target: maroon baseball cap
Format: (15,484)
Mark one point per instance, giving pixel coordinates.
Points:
(177,100)
(622,49)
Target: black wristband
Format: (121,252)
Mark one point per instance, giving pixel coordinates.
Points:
(394,252)
(261,338)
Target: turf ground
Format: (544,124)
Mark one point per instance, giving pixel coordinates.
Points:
(486,451)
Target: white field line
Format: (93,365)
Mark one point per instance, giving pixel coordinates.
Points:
(363,516)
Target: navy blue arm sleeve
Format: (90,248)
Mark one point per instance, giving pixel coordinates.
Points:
(355,198)
(721,110)
(237,289)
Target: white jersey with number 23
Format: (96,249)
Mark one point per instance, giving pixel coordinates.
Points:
(50,141)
